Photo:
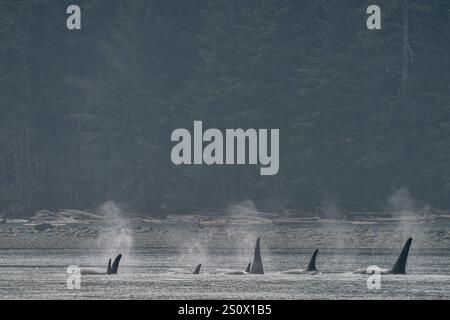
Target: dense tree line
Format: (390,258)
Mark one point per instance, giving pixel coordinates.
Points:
(86,115)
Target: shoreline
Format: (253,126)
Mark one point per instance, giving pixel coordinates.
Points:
(210,234)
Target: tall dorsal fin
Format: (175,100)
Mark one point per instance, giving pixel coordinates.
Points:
(400,265)
(257,265)
(108,269)
(249,266)
(312,262)
(197,270)
(115,264)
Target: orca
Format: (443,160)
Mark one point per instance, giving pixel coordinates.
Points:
(197,270)
(111,268)
(237,272)
(311,268)
(399,266)
(257,266)
(252,268)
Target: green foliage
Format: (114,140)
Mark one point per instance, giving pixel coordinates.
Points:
(86,116)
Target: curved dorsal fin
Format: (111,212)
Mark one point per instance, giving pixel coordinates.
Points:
(108,269)
(197,270)
(400,265)
(257,265)
(249,266)
(312,262)
(115,264)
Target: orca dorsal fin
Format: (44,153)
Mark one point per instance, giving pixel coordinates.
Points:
(400,265)
(249,266)
(257,265)
(312,262)
(197,270)
(115,264)
(108,269)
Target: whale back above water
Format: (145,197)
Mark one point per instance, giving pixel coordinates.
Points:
(399,265)
(311,268)
(110,269)
(92,271)
(257,265)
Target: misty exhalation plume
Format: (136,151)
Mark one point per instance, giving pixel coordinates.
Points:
(330,207)
(401,202)
(117,237)
(246,207)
